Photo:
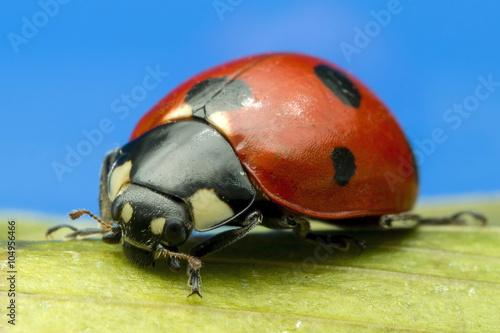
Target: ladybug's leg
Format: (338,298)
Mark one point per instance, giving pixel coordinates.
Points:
(340,242)
(226,238)
(108,236)
(276,218)
(78,234)
(459,218)
(111,234)
(217,243)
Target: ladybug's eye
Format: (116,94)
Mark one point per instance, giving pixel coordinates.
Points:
(175,232)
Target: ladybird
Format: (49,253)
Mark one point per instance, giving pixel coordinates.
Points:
(274,140)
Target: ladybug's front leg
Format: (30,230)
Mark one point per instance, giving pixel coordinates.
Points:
(77,234)
(216,243)
(111,234)
(194,281)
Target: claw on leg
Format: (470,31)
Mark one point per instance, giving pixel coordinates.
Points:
(193,270)
(194,281)
(174,264)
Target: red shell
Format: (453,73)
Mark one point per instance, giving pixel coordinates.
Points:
(286,131)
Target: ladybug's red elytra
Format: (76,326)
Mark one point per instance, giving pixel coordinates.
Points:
(272,140)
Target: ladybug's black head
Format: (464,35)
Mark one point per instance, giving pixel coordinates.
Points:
(149,219)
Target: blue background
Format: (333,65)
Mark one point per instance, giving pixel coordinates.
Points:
(61,78)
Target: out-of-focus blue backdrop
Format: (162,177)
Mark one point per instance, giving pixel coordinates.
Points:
(67,66)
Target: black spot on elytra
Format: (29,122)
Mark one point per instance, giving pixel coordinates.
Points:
(231,97)
(339,84)
(199,95)
(343,162)
(217,94)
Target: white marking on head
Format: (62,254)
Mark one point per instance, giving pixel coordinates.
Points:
(157,225)
(220,120)
(208,209)
(119,176)
(127,212)
(182,111)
